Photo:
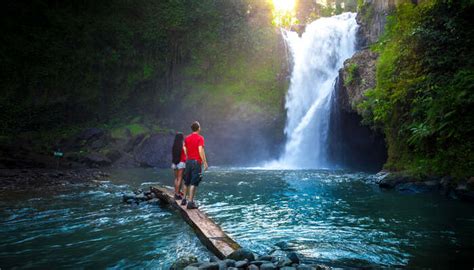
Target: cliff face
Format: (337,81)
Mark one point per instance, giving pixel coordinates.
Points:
(352,144)
(358,73)
(372,18)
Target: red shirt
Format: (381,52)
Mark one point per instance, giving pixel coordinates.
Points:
(183,156)
(192,143)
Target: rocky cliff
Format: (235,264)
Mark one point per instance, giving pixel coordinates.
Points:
(372,17)
(352,144)
(358,73)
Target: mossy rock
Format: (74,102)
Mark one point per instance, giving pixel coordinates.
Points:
(182,262)
(128,131)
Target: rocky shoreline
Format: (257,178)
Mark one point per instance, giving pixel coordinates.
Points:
(11,179)
(244,259)
(403,182)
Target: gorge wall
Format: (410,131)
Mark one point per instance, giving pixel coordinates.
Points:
(353,144)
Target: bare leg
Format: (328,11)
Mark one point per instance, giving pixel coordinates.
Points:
(179,178)
(176,186)
(192,192)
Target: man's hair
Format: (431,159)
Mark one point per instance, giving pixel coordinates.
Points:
(195,126)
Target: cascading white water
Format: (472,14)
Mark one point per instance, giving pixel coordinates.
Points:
(317,57)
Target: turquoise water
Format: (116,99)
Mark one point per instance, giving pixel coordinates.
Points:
(335,217)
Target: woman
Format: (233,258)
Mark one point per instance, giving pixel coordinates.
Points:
(178,163)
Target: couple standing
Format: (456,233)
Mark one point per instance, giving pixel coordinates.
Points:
(188,159)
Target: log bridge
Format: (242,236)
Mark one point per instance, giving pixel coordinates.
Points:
(210,234)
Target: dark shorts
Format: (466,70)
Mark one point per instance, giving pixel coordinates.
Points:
(192,173)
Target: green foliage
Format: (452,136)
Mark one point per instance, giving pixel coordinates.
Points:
(74,64)
(351,74)
(131,129)
(310,10)
(424,91)
(360,4)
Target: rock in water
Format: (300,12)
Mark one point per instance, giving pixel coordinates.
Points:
(182,262)
(222,265)
(242,254)
(253,267)
(293,257)
(128,197)
(209,266)
(258,263)
(266,258)
(268,266)
(241,264)
(229,262)
(304,267)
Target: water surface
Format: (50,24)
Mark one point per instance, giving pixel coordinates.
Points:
(336,217)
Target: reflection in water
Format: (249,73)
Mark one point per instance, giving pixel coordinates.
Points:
(335,217)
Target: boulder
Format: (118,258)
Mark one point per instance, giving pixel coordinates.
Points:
(113,155)
(321,267)
(128,196)
(258,263)
(222,265)
(141,197)
(391,180)
(241,264)
(98,143)
(268,266)
(182,263)
(242,254)
(253,267)
(229,262)
(96,160)
(285,262)
(266,258)
(303,267)
(293,257)
(209,266)
(89,134)
(418,187)
(133,142)
(154,151)
(464,192)
(212,258)
(125,161)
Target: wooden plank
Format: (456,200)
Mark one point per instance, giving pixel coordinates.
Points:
(210,234)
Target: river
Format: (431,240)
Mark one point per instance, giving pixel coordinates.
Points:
(336,217)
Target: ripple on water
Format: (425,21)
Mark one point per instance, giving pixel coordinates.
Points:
(327,216)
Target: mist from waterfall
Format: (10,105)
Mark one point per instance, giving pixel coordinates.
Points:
(316,59)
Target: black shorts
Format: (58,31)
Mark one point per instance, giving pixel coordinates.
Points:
(192,173)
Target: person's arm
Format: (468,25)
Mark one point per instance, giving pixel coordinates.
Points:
(185,150)
(203,157)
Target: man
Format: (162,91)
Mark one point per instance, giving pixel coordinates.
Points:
(196,157)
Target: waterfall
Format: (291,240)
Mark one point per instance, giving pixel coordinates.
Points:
(317,57)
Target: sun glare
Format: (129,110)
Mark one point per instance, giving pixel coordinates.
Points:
(284,12)
(284,5)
